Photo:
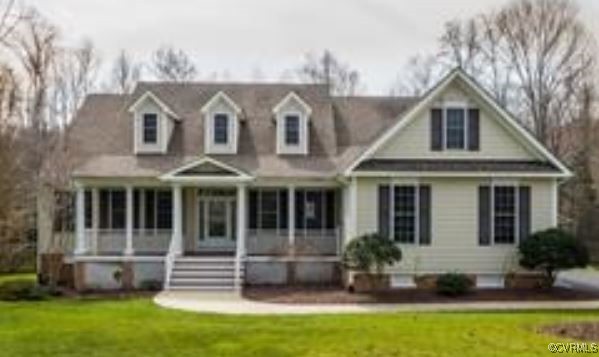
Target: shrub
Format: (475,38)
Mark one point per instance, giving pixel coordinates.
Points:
(552,250)
(24,290)
(453,284)
(371,251)
(151,285)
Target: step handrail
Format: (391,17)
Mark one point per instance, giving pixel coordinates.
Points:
(169,261)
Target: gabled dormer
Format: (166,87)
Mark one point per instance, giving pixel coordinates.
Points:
(292,116)
(221,124)
(153,124)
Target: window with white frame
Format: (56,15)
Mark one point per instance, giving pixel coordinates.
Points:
(150,128)
(455,128)
(292,129)
(404,213)
(220,128)
(504,214)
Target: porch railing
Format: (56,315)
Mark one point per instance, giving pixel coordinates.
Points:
(114,241)
(309,242)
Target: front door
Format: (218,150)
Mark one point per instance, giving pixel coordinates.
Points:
(216,223)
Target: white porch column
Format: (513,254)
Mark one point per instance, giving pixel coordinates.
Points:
(291,218)
(352,213)
(129,220)
(95,218)
(80,244)
(241,230)
(177,219)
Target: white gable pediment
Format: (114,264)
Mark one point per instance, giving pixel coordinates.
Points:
(206,169)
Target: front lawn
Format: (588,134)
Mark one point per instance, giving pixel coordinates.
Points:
(137,327)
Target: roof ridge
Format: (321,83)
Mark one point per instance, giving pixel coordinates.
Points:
(230,83)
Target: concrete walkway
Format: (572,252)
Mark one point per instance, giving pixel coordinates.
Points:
(579,279)
(232,303)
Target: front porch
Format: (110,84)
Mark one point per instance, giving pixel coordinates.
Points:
(145,221)
(248,223)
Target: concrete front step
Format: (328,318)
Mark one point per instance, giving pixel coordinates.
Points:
(211,273)
(203,274)
(203,288)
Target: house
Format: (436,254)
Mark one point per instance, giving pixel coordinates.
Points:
(216,185)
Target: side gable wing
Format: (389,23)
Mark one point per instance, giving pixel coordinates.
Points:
(502,138)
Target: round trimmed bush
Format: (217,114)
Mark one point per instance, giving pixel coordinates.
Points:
(552,250)
(371,252)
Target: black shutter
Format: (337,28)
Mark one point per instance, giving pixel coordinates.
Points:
(484,215)
(524,212)
(383,212)
(436,129)
(473,129)
(424,214)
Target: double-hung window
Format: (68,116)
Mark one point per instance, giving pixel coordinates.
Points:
(404,214)
(455,128)
(292,129)
(221,129)
(504,214)
(150,128)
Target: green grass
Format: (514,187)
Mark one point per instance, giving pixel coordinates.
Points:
(4,278)
(137,327)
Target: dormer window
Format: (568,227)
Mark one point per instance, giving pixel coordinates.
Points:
(292,129)
(222,117)
(150,128)
(455,129)
(153,124)
(292,116)
(221,129)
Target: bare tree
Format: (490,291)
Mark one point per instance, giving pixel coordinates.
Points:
(550,51)
(419,74)
(170,64)
(74,76)
(531,55)
(35,49)
(340,78)
(124,74)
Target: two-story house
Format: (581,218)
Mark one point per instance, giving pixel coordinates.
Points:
(215,185)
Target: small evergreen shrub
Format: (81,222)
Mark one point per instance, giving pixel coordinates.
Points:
(371,252)
(151,285)
(453,284)
(25,290)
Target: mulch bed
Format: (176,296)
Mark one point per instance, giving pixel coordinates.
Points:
(337,295)
(582,331)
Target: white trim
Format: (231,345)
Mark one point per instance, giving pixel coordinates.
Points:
(453,174)
(206,107)
(426,101)
(554,203)
(172,175)
(292,96)
(308,259)
(80,242)
(133,107)
(115,258)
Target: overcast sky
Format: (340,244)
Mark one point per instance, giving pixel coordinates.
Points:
(241,36)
